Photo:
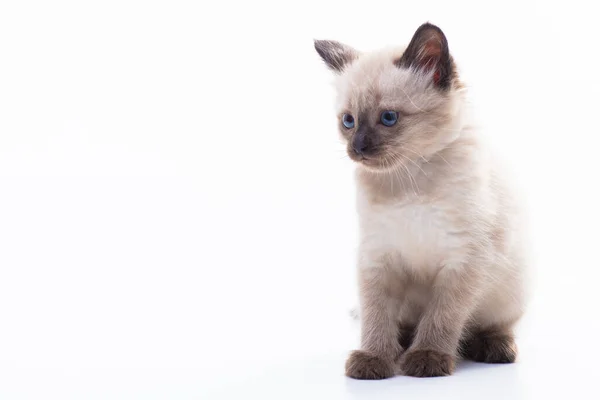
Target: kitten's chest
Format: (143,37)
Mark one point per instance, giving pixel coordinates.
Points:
(421,234)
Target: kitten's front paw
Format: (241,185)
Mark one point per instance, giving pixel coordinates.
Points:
(491,348)
(363,365)
(427,363)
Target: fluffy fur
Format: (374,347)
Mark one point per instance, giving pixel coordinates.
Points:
(441,258)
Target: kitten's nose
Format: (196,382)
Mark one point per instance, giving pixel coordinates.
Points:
(361,144)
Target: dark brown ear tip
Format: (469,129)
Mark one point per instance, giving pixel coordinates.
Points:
(428,26)
(428,50)
(335,54)
(321,46)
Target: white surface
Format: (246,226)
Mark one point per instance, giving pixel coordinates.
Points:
(177,216)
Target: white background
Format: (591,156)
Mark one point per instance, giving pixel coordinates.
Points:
(177,213)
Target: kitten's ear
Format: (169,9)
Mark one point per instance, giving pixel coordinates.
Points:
(335,54)
(427,51)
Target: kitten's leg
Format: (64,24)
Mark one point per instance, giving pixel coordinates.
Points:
(435,345)
(495,345)
(491,338)
(380,347)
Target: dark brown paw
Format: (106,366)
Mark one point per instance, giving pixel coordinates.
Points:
(491,347)
(427,363)
(362,365)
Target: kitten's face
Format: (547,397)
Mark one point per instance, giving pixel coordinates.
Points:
(395,106)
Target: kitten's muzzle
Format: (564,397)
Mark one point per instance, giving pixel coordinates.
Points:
(362,144)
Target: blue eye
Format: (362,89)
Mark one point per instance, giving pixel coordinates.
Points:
(389,118)
(348,121)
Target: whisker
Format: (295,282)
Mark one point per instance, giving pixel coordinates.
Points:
(446,161)
(412,181)
(391,182)
(418,154)
(414,163)
(399,176)
(411,176)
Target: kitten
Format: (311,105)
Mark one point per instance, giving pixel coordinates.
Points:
(441,260)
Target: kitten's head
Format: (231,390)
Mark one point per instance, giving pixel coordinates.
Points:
(395,105)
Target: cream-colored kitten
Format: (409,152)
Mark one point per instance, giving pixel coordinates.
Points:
(441,262)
